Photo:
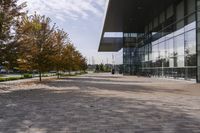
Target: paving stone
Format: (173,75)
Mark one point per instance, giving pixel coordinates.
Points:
(100,103)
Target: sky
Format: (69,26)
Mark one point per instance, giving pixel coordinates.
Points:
(81,19)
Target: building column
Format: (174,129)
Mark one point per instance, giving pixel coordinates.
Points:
(198,38)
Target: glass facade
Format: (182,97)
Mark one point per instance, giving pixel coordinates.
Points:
(130,54)
(198,39)
(173,55)
(168,47)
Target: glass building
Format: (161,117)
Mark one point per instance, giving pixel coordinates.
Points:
(159,38)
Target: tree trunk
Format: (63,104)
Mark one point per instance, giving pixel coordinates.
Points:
(58,74)
(40,75)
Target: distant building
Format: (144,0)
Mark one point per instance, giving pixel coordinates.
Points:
(158,37)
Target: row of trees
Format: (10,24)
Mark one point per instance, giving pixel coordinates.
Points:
(32,43)
(103,68)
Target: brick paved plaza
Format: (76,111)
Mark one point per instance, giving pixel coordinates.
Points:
(100,103)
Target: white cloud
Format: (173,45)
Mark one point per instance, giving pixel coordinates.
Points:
(85,14)
(70,9)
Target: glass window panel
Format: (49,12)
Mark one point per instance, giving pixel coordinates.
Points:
(171,47)
(162,17)
(146,29)
(192,73)
(198,4)
(181,61)
(175,61)
(150,52)
(179,45)
(180,72)
(167,49)
(169,36)
(155,52)
(171,62)
(146,53)
(180,10)
(190,26)
(155,42)
(190,11)
(162,50)
(170,11)
(143,53)
(180,31)
(198,15)
(180,15)
(150,26)
(190,42)
(191,18)
(158,63)
(190,6)
(191,60)
(161,39)
(155,23)
(166,63)
(180,25)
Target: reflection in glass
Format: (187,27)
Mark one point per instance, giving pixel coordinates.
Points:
(190,42)
(146,53)
(180,61)
(191,60)
(171,47)
(191,73)
(162,50)
(171,51)
(179,45)
(190,26)
(171,62)
(155,52)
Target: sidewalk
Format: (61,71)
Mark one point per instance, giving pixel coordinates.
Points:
(100,103)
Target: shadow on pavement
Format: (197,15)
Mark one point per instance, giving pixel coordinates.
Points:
(46,111)
(69,106)
(103,84)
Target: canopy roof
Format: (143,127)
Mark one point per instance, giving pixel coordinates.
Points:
(128,16)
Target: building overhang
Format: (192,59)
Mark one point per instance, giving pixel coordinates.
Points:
(111,44)
(128,16)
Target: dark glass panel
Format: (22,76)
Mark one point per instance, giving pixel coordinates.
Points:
(192,73)
(191,60)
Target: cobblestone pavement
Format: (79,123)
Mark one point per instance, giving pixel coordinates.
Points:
(100,103)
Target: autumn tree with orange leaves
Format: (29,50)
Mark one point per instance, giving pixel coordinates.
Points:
(33,43)
(35,36)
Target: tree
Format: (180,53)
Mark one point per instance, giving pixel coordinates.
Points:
(77,60)
(101,67)
(80,63)
(35,37)
(97,68)
(73,59)
(107,68)
(68,57)
(60,40)
(10,55)
(31,43)
(9,12)
(83,64)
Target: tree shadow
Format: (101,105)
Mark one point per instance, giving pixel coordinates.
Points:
(105,77)
(102,80)
(103,84)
